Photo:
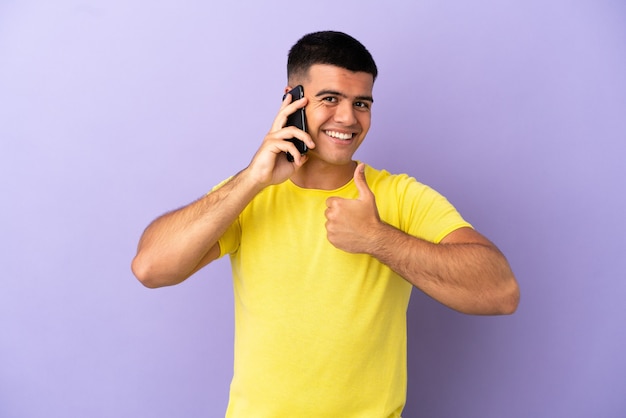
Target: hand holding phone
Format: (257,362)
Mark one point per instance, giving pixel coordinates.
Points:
(297,119)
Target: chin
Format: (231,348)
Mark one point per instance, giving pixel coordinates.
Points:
(336,161)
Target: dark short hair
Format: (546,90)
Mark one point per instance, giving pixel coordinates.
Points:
(329,47)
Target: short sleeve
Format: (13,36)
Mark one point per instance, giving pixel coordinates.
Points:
(414,207)
(429,214)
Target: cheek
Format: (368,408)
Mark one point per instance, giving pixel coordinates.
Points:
(316,117)
(365,120)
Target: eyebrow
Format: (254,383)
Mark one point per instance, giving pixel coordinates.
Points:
(337,93)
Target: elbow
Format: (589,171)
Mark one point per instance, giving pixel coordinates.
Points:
(509,300)
(144,272)
(153,274)
(501,301)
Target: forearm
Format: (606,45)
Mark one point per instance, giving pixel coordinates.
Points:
(470,277)
(175,244)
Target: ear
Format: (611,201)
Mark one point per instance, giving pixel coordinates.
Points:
(288,89)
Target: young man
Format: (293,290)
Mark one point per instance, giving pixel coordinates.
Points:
(325,252)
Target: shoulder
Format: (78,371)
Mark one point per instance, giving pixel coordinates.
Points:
(384,182)
(404,192)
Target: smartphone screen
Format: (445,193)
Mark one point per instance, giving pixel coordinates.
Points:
(297,119)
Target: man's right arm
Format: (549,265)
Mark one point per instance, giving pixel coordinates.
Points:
(181,242)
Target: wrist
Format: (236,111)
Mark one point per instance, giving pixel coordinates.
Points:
(251,180)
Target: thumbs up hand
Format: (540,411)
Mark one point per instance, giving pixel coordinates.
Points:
(351,224)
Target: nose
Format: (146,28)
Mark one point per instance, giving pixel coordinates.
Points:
(344,113)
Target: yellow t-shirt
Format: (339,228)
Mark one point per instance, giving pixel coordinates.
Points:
(320,332)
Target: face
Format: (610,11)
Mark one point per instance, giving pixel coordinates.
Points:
(338,111)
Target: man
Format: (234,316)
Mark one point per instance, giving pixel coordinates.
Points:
(325,252)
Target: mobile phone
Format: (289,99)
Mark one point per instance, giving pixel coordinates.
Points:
(297,119)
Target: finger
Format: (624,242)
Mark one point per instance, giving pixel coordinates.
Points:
(287,98)
(287,107)
(298,159)
(287,147)
(361,182)
(293,132)
(332,202)
(276,143)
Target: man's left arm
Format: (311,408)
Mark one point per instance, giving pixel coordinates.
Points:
(465,271)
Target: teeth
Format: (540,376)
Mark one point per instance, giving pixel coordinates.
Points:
(339,135)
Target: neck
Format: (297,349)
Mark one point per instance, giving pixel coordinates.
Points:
(315,174)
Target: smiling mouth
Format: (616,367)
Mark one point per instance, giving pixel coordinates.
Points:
(339,135)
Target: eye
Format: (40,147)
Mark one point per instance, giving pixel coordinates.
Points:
(330,99)
(362,105)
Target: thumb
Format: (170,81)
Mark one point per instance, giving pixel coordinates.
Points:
(361,182)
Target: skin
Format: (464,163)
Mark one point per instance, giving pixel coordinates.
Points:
(465,272)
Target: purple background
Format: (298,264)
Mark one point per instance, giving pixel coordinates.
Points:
(112,112)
